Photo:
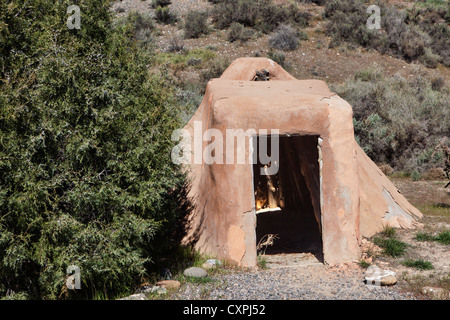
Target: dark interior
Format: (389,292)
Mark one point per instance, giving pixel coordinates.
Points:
(288,203)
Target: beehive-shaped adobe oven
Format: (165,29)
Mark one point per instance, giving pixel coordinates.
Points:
(325,194)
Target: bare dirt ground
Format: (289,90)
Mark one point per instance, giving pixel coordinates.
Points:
(433,199)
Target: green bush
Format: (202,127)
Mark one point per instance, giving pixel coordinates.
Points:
(442,237)
(422,236)
(226,12)
(415,176)
(388,231)
(439,34)
(270,16)
(239,33)
(176,44)
(279,57)
(160,3)
(195,24)
(215,70)
(296,16)
(142,28)
(347,22)
(429,59)
(392,247)
(140,21)
(85,171)
(163,15)
(418,264)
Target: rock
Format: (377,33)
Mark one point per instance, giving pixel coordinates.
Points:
(166,274)
(382,277)
(214,262)
(158,290)
(435,292)
(369,247)
(195,272)
(388,280)
(153,289)
(169,284)
(137,296)
(145,289)
(207,266)
(211,263)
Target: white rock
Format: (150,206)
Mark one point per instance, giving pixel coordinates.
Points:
(158,290)
(214,262)
(382,277)
(169,284)
(207,266)
(436,293)
(195,272)
(137,296)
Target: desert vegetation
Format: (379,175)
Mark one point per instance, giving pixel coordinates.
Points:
(195,24)
(85,171)
(398,121)
(264,16)
(286,38)
(417,34)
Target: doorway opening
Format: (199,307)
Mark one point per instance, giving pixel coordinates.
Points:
(287,204)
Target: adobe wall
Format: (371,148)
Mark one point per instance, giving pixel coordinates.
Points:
(381,203)
(224,220)
(357,199)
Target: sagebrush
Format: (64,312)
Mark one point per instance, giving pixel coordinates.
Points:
(263,15)
(399,121)
(284,38)
(414,34)
(195,24)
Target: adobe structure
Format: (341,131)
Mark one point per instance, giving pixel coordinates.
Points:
(326,194)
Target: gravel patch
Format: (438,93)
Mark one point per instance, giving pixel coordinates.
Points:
(313,282)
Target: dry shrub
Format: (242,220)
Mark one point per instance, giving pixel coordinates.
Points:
(434,174)
(266,241)
(215,70)
(280,58)
(263,15)
(195,24)
(386,169)
(408,34)
(239,32)
(398,121)
(164,15)
(176,44)
(284,38)
(160,3)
